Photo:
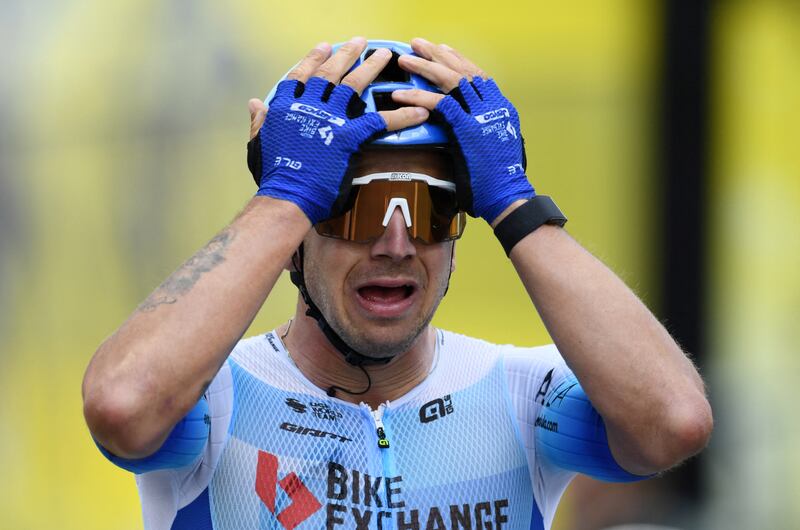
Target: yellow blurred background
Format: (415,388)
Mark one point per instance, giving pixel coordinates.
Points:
(122,135)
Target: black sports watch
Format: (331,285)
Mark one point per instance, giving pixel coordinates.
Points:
(528,217)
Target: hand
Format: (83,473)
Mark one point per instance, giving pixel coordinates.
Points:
(301,146)
(482,122)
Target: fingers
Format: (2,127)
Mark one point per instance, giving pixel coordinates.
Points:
(447,56)
(310,63)
(441,64)
(466,66)
(435,53)
(337,65)
(367,71)
(258,113)
(418,98)
(440,75)
(404,117)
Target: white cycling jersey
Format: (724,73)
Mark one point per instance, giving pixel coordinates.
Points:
(457,451)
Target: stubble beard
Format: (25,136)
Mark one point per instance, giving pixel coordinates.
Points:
(370,345)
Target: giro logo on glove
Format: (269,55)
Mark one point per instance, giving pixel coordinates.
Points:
(309,139)
(317,113)
(491,167)
(493,115)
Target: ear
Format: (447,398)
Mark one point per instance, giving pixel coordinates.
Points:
(453,258)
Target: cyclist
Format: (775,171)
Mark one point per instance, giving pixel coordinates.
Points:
(357,413)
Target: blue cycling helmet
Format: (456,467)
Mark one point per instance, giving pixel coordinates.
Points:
(378,96)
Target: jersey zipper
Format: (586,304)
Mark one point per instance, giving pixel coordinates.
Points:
(383,451)
(377,417)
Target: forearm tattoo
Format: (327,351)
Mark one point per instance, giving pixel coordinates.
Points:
(182,280)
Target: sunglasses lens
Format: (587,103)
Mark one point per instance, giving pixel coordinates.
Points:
(432,212)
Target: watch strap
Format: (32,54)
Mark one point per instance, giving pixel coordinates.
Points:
(525,219)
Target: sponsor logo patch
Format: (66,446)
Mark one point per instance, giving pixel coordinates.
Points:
(435,409)
(317,113)
(308,431)
(492,115)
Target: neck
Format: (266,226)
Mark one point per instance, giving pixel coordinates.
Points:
(325,366)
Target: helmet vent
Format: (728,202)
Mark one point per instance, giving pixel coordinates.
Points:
(384,101)
(391,73)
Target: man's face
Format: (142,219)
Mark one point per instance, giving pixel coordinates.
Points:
(380,296)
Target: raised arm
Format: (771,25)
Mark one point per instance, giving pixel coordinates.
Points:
(648,393)
(154,368)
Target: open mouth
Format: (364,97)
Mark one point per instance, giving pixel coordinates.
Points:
(388,298)
(384,294)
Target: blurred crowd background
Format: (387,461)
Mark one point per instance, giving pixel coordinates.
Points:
(667,133)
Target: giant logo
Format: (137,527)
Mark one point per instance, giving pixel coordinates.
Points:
(308,431)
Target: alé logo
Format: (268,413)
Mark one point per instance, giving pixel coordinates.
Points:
(435,409)
(492,115)
(317,113)
(303,504)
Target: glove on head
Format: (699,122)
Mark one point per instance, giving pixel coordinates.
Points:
(303,149)
(490,152)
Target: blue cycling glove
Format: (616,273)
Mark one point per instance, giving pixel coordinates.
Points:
(303,149)
(485,127)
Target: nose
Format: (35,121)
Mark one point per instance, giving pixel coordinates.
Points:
(394,242)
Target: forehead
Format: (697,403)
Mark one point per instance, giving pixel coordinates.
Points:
(431,162)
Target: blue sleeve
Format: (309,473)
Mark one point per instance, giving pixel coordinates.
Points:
(571,435)
(181,448)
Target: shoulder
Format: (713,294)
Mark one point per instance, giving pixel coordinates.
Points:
(256,345)
(262,362)
(259,354)
(534,360)
(525,368)
(471,346)
(458,351)
(474,348)
(461,353)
